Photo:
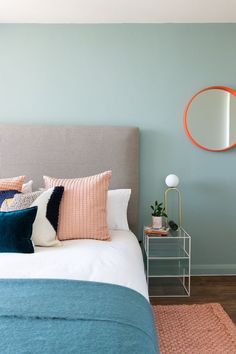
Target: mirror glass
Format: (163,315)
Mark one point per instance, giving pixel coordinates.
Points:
(210,118)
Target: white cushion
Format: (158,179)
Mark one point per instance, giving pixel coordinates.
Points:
(117,204)
(27,187)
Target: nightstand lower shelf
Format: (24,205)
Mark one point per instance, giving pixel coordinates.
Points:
(168,287)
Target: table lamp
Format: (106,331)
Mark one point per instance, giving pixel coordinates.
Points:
(172,181)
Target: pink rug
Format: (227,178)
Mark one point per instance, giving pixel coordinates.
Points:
(194,329)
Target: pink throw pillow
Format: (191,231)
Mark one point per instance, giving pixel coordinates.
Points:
(83,211)
(14,183)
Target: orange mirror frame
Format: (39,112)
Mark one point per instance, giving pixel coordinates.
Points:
(186,111)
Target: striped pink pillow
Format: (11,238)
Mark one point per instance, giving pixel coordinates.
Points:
(15,183)
(83,206)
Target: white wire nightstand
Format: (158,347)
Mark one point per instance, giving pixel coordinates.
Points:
(168,263)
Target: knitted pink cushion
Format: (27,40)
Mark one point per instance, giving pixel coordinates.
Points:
(15,183)
(83,207)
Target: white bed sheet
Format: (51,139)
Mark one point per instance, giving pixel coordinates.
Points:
(118,261)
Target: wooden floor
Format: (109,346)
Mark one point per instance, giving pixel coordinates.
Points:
(221,289)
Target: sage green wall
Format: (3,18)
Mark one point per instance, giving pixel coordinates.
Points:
(140,75)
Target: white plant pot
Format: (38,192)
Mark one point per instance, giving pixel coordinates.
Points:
(157,222)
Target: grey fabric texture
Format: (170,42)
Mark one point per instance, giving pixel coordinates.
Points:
(21,201)
(69,151)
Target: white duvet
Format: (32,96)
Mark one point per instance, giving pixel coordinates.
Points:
(118,261)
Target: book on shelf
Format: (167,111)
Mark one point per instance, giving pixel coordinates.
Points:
(149,230)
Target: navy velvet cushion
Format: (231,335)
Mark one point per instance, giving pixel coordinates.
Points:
(16,230)
(7,194)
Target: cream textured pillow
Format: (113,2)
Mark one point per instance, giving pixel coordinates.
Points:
(83,212)
(20,201)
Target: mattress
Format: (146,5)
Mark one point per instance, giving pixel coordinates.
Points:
(118,261)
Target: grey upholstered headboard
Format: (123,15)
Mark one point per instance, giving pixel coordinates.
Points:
(73,151)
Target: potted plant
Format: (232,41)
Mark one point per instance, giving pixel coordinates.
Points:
(158,215)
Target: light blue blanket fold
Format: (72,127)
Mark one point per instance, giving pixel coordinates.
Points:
(65,316)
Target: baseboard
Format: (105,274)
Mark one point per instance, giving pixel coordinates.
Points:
(213,269)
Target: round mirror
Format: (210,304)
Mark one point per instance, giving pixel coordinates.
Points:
(210,118)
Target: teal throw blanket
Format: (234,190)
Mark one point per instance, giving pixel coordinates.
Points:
(43,316)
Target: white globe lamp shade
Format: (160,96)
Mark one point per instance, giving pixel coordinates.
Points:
(172,181)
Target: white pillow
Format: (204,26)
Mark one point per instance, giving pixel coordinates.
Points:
(117,204)
(27,187)
(45,224)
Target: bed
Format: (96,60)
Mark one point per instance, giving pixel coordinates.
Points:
(86,296)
